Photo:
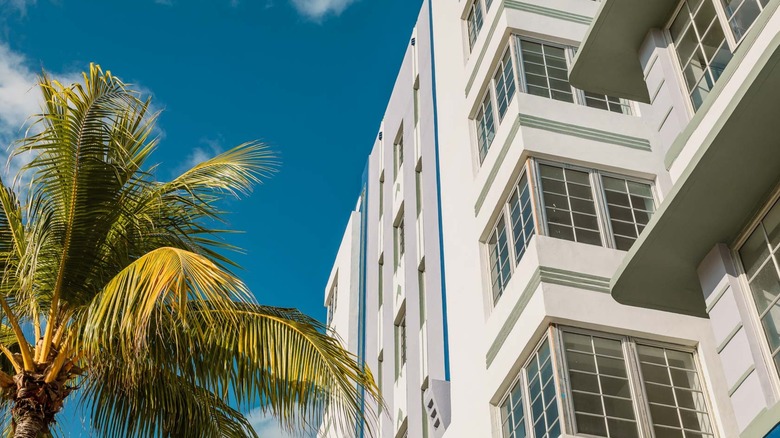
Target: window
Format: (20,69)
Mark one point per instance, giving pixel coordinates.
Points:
(742,13)
(760,255)
(569,205)
(629,206)
(475,19)
(332,303)
(610,386)
(418,190)
(380,285)
(541,393)
(401,243)
(521,216)
(544,71)
(500,266)
(577,204)
(421,293)
(701,47)
(600,389)
(486,129)
(399,153)
(513,413)
(381,197)
(674,392)
(504,83)
(572,206)
(400,330)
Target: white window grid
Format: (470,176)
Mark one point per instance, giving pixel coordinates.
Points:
(509,78)
(578,96)
(734,18)
(741,14)
(681,363)
(765,268)
(699,65)
(508,241)
(499,253)
(486,126)
(475,19)
(504,83)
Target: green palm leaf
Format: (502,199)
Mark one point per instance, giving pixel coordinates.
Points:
(127,285)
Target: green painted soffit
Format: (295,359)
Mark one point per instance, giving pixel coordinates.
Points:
(726,181)
(607,61)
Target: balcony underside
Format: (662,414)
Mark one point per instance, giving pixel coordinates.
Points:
(729,177)
(608,61)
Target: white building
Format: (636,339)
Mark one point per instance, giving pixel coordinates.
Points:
(608,178)
(384,294)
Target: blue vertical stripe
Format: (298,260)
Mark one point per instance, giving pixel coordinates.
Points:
(361,426)
(445,329)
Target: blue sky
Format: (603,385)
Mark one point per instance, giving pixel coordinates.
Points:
(309,77)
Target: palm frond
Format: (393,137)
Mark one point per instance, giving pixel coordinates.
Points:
(157,403)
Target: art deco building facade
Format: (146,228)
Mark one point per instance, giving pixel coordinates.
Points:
(609,219)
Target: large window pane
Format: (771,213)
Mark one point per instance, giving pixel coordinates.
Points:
(629,206)
(474,22)
(701,47)
(569,205)
(546,70)
(512,411)
(504,82)
(500,267)
(763,275)
(601,394)
(521,215)
(541,384)
(741,14)
(674,393)
(486,129)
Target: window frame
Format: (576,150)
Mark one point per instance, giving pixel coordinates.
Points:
(563,390)
(731,43)
(471,8)
(530,170)
(578,95)
(754,317)
(506,213)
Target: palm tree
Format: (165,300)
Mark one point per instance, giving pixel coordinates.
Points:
(124,283)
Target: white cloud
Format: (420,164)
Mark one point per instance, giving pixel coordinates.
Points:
(268,427)
(316,10)
(19,99)
(197,155)
(18,5)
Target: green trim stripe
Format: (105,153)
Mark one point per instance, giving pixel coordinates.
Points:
(575,279)
(514,315)
(729,337)
(561,128)
(484,48)
(741,379)
(548,12)
(718,295)
(583,132)
(527,7)
(543,275)
(497,165)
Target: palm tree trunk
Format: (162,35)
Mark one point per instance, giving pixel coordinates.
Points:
(29,424)
(35,404)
